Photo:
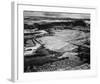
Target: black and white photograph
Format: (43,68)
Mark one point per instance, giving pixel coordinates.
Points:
(56,41)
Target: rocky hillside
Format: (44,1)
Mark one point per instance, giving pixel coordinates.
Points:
(56,44)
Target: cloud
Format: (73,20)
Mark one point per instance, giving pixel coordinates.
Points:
(56,14)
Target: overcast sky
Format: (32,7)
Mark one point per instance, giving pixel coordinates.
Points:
(56,14)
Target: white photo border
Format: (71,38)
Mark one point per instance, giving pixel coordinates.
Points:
(18,57)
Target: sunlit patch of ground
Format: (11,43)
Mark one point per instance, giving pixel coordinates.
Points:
(61,37)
